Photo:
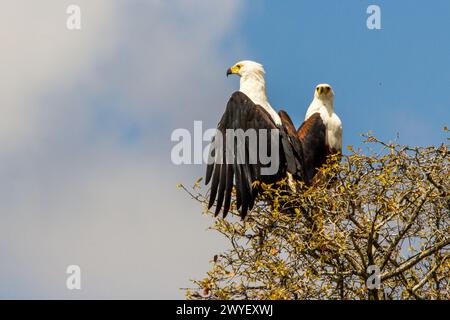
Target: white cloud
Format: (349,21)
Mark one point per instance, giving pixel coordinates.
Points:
(40,56)
(73,192)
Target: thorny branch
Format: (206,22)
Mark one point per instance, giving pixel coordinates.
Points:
(387,207)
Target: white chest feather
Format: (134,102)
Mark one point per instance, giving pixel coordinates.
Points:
(333,124)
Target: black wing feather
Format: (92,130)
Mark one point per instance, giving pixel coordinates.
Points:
(312,136)
(240,113)
(291,143)
(222,186)
(214,185)
(210,166)
(228,190)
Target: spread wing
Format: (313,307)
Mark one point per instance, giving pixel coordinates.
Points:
(236,162)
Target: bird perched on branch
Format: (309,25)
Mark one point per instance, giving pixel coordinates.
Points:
(320,133)
(254,143)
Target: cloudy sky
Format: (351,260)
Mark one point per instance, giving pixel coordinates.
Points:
(85,169)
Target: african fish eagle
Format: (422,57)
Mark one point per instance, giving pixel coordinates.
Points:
(320,133)
(246,109)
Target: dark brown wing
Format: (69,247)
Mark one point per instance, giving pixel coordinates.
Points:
(312,136)
(224,168)
(295,165)
(287,122)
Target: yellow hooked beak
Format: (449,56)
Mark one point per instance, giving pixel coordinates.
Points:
(233,70)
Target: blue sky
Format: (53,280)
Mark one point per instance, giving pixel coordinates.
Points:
(87,117)
(390,81)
